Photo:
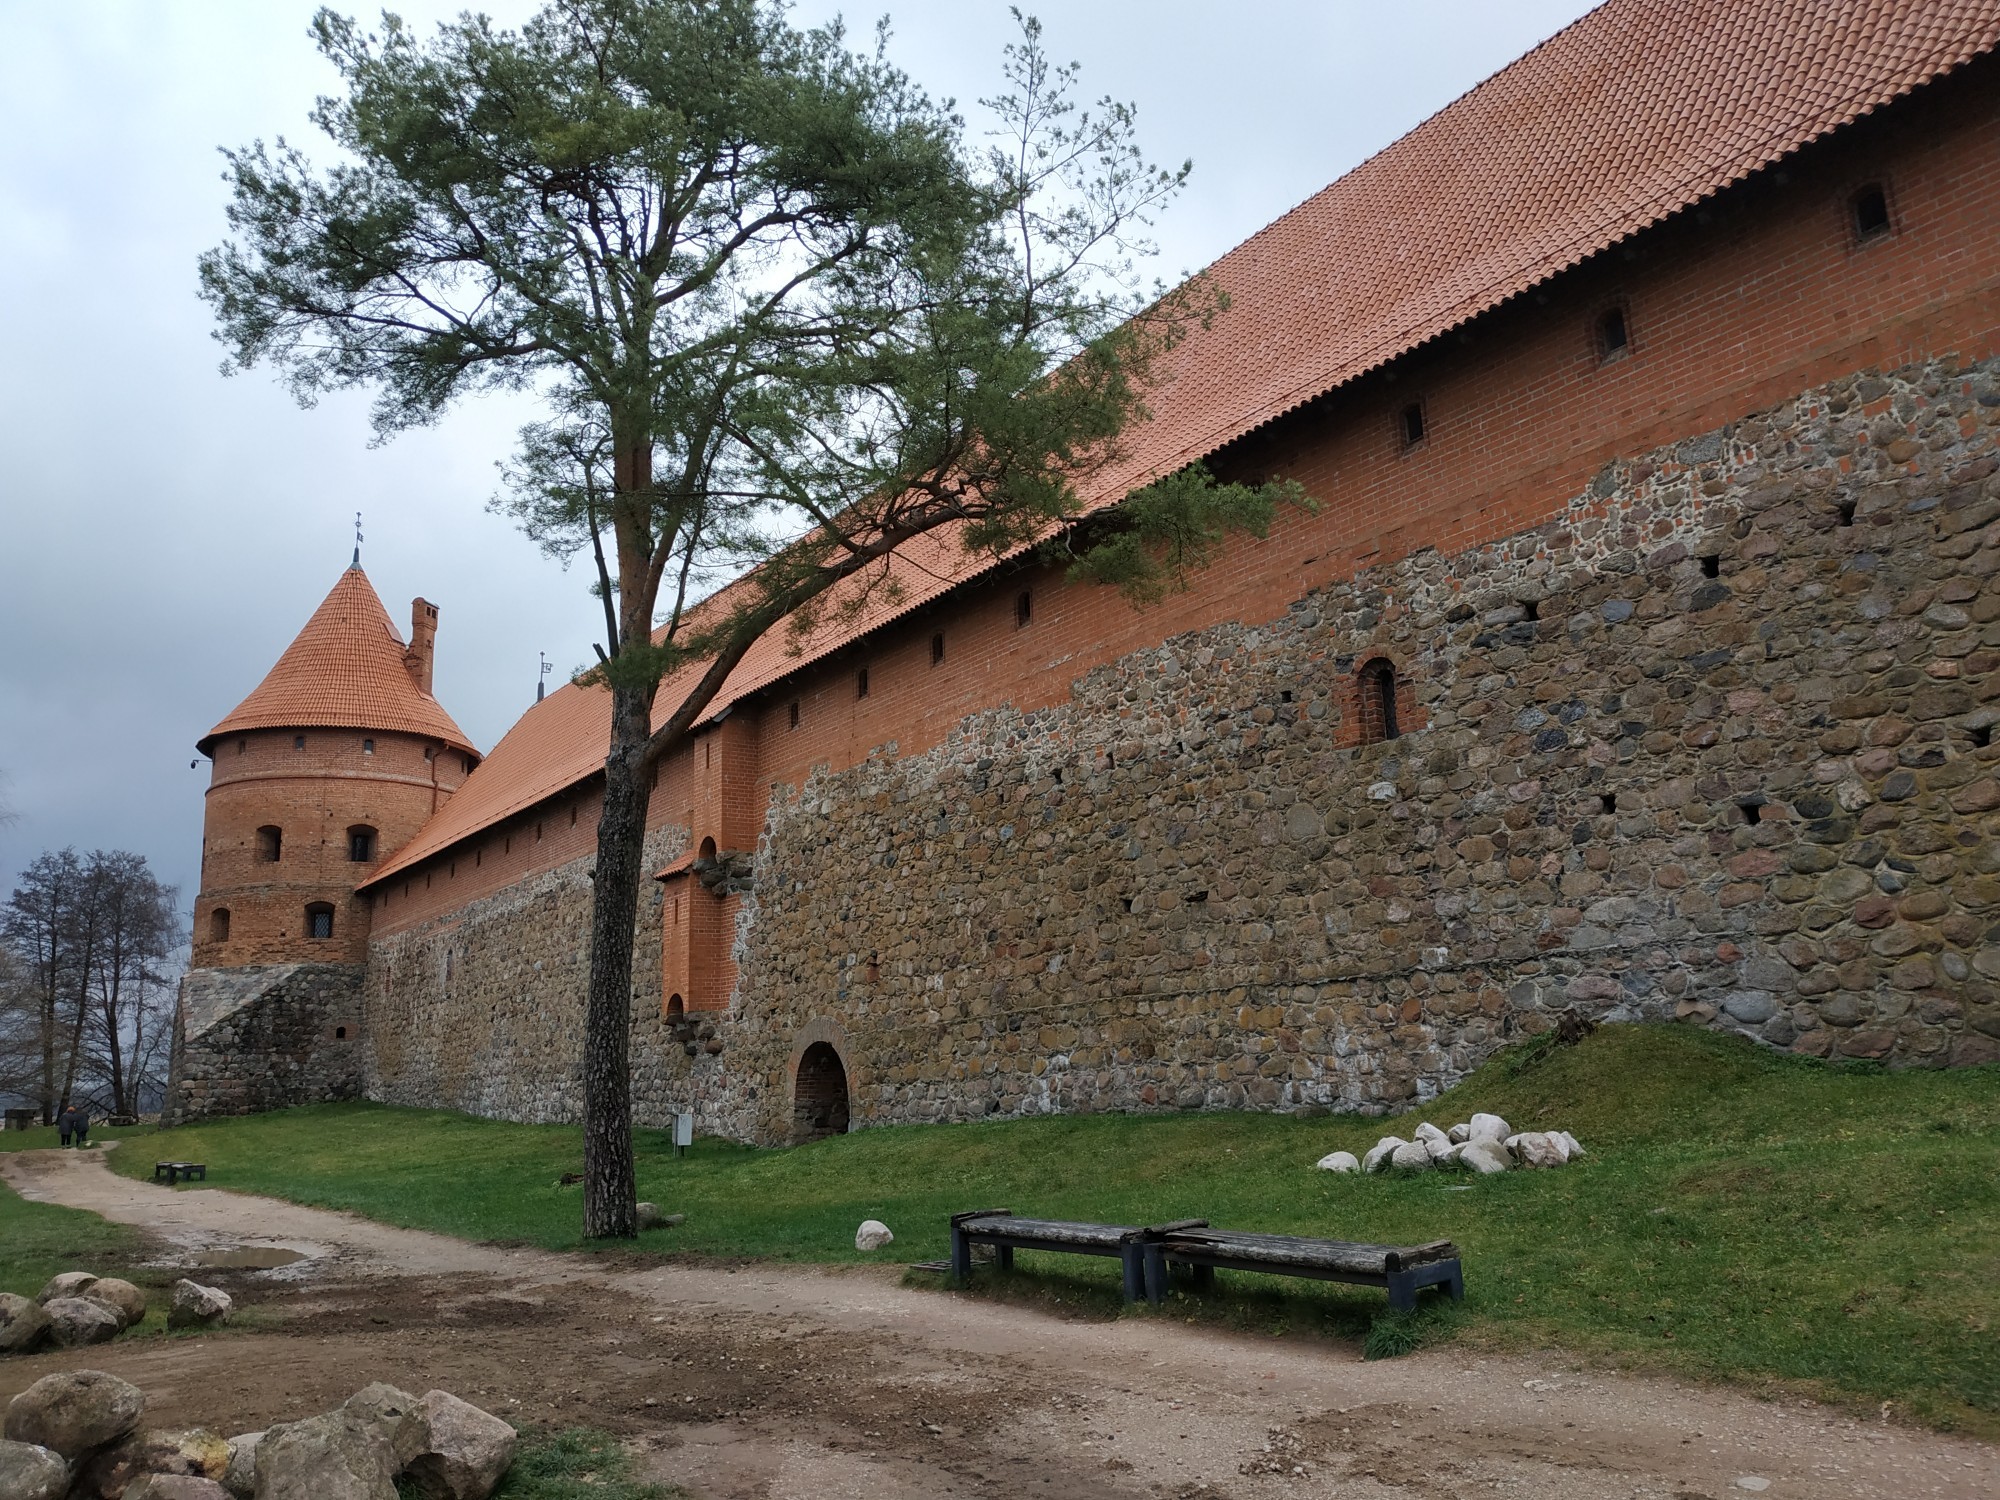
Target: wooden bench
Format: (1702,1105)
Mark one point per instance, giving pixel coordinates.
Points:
(1000,1228)
(180,1171)
(1401,1269)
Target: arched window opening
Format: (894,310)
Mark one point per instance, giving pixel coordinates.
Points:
(270,843)
(340,1033)
(1378,702)
(319,921)
(218,925)
(676,1008)
(819,1101)
(367,747)
(360,843)
(707,851)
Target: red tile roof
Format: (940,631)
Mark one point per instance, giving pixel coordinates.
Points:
(343,671)
(1631,114)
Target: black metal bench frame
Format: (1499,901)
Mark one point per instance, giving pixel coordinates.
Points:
(180,1171)
(1000,1228)
(1401,1270)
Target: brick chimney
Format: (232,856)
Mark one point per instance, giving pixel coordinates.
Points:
(422,649)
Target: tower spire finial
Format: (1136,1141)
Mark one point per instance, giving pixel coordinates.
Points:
(541,677)
(357,539)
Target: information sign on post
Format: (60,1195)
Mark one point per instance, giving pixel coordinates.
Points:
(683,1132)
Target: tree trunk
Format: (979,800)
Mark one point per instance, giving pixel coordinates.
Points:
(610,1192)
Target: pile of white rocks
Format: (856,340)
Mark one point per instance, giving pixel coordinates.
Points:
(1483,1144)
(77,1436)
(78,1308)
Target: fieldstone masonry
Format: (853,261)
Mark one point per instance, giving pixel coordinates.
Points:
(266,1036)
(1714,743)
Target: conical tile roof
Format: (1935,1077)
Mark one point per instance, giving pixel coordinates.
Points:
(343,671)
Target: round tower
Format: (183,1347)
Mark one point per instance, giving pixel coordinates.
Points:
(329,767)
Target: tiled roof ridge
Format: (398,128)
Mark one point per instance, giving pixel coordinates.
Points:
(343,670)
(1317,302)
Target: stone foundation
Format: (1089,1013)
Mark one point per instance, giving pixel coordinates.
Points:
(1714,743)
(264,1037)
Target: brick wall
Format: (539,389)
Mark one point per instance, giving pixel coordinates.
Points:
(1758,294)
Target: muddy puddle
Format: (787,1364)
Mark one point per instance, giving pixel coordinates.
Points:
(246,1258)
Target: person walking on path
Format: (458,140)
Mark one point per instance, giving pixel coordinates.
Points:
(82,1127)
(66,1123)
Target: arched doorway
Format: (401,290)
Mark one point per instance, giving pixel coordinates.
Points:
(819,1097)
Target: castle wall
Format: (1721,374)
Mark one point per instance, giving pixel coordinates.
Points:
(1713,741)
(265,1036)
(1761,292)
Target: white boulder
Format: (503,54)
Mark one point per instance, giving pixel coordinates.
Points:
(1536,1148)
(197,1306)
(1460,1133)
(1339,1161)
(1484,1157)
(1486,1128)
(1411,1157)
(451,1450)
(240,1478)
(1379,1153)
(872,1235)
(121,1296)
(1571,1146)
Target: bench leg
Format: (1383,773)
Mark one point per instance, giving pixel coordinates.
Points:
(1003,1257)
(1131,1259)
(1402,1291)
(1457,1282)
(1156,1274)
(961,1257)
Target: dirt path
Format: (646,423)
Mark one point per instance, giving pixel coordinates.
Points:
(780,1383)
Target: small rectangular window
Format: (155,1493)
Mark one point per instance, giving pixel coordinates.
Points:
(937,650)
(367,747)
(1411,424)
(298,742)
(861,683)
(1614,337)
(1024,609)
(1870,209)
(792,713)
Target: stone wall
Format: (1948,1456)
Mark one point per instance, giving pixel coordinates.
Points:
(483,1010)
(1713,743)
(267,1036)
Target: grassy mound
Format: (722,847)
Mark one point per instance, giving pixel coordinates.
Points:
(1741,1214)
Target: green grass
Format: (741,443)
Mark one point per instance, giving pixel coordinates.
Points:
(37,1240)
(577,1464)
(1741,1214)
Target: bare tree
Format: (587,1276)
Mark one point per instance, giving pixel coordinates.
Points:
(89,943)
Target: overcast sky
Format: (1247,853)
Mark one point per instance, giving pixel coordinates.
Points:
(165,531)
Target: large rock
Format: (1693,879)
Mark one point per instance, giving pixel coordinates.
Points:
(75,1411)
(1484,1157)
(1411,1156)
(175,1487)
(197,1306)
(1486,1128)
(1572,1148)
(1537,1148)
(872,1235)
(23,1324)
(193,1451)
(1339,1161)
(336,1456)
(1378,1155)
(1460,1133)
(29,1471)
(451,1450)
(68,1284)
(240,1478)
(382,1407)
(127,1299)
(1435,1141)
(75,1322)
